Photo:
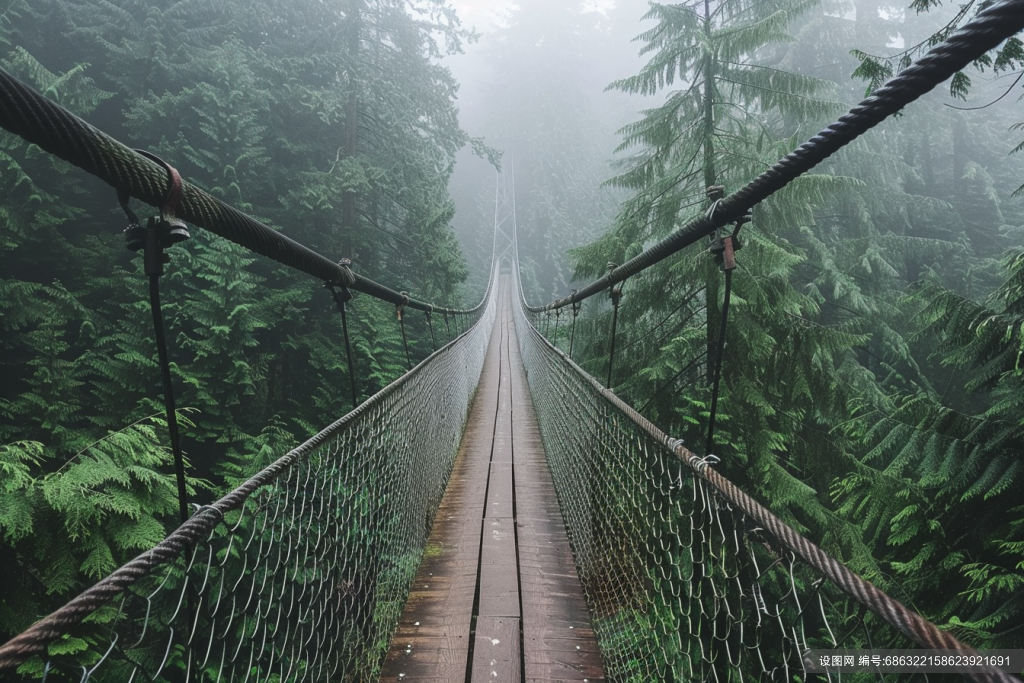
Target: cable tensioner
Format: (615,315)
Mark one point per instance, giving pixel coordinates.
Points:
(161,233)
(724,248)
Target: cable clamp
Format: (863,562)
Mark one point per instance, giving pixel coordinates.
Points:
(342,295)
(728,254)
(700,464)
(724,248)
(615,291)
(615,294)
(346,271)
(577,306)
(715,194)
(400,308)
(673,444)
(158,234)
(340,290)
(176,229)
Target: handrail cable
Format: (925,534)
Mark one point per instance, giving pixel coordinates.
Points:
(983,33)
(197,528)
(42,122)
(892,611)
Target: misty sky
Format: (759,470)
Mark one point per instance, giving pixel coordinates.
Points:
(485,15)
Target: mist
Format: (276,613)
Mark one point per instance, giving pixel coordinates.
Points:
(848,354)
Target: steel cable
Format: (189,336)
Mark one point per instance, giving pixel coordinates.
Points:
(305,565)
(986,31)
(654,544)
(27,113)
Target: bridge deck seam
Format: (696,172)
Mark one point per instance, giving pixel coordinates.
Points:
(521,597)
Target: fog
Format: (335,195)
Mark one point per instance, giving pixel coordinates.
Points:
(535,88)
(856,367)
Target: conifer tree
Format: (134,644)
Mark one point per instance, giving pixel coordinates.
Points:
(728,117)
(247,98)
(936,488)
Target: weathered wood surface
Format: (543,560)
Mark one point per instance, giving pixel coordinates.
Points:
(497,597)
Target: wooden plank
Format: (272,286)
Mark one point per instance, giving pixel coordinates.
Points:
(437,617)
(503,445)
(499,491)
(502,451)
(496,653)
(558,642)
(499,575)
(425,658)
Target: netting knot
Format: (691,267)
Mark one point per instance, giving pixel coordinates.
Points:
(673,444)
(700,464)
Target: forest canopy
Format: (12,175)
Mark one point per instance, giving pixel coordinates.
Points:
(870,374)
(870,371)
(335,123)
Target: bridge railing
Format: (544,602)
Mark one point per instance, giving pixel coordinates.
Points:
(679,587)
(687,577)
(299,574)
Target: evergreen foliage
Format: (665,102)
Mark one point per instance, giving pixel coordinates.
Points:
(254,100)
(950,472)
(731,116)
(871,383)
(877,416)
(68,528)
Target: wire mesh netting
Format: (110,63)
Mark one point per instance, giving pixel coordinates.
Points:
(301,577)
(680,584)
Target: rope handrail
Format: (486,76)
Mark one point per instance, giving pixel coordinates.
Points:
(42,122)
(983,33)
(892,611)
(201,525)
(907,621)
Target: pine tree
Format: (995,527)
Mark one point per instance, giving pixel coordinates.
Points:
(950,527)
(731,107)
(730,117)
(247,99)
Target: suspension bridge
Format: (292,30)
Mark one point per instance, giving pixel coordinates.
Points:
(496,514)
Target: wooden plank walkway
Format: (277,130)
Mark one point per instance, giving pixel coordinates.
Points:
(497,597)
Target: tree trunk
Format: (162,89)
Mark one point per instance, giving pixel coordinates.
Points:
(348,202)
(710,178)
